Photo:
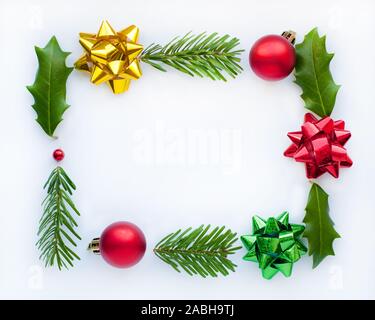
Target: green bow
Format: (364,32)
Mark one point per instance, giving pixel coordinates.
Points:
(275,245)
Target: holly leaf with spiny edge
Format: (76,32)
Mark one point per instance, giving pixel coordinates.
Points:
(319,231)
(199,251)
(313,75)
(49,88)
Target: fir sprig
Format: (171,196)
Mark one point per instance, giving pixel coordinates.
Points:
(198,251)
(56,227)
(201,55)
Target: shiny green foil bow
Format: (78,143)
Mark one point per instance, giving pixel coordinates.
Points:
(275,245)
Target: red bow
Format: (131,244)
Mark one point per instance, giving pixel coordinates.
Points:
(320,145)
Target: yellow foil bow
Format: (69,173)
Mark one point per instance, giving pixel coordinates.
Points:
(111,56)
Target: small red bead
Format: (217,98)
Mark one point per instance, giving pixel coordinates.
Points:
(58,155)
(272,57)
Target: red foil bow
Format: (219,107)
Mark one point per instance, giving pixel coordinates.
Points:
(320,145)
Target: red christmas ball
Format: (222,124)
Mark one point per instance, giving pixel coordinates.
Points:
(58,155)
(272,57)
(122,244)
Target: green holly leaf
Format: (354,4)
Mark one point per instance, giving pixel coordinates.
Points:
(313,75)
(49,88)
(319,226)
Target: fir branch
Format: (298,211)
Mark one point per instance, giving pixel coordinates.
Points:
(200,55)
(199,251)
(56,227)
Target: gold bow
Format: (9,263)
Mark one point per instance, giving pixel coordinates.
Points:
(111,56)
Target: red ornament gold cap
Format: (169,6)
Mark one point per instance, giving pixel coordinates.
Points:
(290,36)
(94,246)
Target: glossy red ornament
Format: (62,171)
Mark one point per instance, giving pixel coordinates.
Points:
(320,145)
(272,57)
(58,155)
(122,244)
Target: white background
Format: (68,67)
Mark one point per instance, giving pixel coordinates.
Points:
(131,158)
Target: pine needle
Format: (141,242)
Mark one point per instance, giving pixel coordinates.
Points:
(202,55)
(56,226)
(199,251)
